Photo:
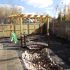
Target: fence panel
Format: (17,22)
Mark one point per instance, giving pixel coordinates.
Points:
(7,29)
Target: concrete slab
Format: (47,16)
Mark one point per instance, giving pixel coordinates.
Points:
(9,60)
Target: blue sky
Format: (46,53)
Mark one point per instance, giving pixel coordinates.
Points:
(37,6)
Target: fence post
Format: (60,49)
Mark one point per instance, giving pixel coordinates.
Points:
(21,25)
(48,27)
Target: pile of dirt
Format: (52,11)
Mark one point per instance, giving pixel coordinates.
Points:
(39,60)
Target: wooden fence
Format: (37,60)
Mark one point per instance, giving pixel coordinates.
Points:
(7,29)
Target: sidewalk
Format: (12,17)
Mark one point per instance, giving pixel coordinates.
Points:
(9,60)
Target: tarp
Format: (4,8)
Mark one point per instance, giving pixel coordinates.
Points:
(14,37)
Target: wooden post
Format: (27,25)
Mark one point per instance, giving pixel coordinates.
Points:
(28,28)
(34,29)
(14,27)
(21,25)
(10,28)
(48,27)
(24,40)
(41,24)
(3,29)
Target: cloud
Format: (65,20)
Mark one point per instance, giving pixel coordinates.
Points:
(5,5)
(18,7)
(39,3)
(65,2)
(33,13)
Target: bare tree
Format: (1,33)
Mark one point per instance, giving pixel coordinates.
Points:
(7,11)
